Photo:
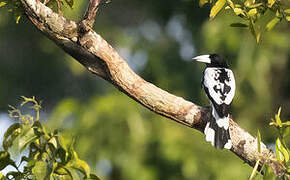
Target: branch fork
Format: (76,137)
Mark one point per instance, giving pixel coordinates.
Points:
(87,23)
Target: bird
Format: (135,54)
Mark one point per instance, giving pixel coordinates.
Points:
(219,85)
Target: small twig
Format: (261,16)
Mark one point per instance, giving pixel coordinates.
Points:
(89,18)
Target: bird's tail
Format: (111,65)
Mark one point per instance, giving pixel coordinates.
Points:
(217,132)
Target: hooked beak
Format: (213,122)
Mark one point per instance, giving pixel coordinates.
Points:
(202,58)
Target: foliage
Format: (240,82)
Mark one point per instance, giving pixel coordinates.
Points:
(131,142)
(58,5)
(51,155)
(15,6)
(281,149)
(283,129)
(260,15)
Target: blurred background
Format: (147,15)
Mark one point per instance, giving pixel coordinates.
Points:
(120,139)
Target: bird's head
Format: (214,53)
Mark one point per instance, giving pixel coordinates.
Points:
(212,60)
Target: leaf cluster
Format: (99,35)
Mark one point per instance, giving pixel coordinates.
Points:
(51,155)
(15,6)
(282,151)
(259,15)
(283,129)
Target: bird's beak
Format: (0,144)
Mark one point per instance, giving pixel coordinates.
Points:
(202,58)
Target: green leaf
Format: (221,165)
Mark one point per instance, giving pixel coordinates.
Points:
(12,132)
(271,2)
(53,142)
(255,5)
(254,170)
(79,164)
(286,155)
(61,170)
(248,3)
(279,155)
(74,174)
(259,141)
(18,19)
(281,151)
(240,25)
(203,2)
(64,142)
(238,11)
(272,23)
(67,172)
(284,151)
(277,117)
(252,12)
(2,4)
(287,123)
(40,170)
(287,11)
(26,137)
(216,8)
(231,4)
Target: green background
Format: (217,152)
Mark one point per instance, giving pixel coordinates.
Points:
(119,138)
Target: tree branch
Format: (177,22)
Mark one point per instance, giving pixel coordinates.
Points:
(89,18)
(94,53)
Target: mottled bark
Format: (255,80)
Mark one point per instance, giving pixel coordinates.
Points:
(94,53)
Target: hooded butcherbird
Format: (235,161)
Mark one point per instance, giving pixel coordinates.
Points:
(219,85)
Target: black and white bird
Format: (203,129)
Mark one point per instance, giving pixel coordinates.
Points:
(219,85)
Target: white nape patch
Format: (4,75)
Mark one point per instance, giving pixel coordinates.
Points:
(228,145)
(209,134)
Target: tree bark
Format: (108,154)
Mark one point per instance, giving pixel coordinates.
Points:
(94,53)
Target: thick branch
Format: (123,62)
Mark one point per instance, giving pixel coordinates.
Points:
(94,53)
